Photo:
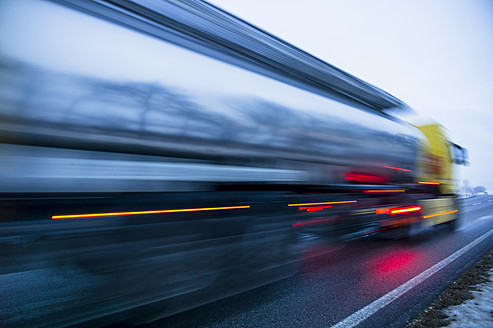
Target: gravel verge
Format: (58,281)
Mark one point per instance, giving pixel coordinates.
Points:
(454,302)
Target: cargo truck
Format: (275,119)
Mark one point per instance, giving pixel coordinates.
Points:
(155,156)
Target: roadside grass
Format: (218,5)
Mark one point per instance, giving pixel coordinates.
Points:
(455,293)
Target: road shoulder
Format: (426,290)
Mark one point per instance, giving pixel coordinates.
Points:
(460,298)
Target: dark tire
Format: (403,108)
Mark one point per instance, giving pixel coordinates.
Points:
(453,225)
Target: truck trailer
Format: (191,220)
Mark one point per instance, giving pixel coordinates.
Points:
(159,155)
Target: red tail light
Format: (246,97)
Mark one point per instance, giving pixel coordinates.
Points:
(402,210)
(379,191)
(383,210)
(398,210)
(362,177)
(429,183)
(313,208)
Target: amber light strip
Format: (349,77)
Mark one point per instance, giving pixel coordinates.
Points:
(441,213)
(397,168)
(374,191)
(429,183)
(92,215)
(327,203)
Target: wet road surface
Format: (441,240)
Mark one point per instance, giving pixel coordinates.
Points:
(335,281)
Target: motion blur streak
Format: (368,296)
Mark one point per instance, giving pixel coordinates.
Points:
(429,183)
(313,222)
(77,216)
(359,177)
(383,210)
(108,111)
(314,208)
(375,191)
(402,210)
(397,168)
(308,204)
(438,214)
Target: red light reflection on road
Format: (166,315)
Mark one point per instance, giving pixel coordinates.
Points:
(394,263)
(388,269)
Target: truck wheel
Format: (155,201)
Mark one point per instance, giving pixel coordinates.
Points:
(453,225)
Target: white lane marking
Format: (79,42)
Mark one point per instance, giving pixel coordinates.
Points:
(476,204)
(486,217)
(363,314)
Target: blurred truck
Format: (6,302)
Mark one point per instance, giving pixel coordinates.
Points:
(158,155)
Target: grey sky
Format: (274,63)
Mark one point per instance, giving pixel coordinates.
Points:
(437,56)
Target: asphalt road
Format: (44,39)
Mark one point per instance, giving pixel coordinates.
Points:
(364,283)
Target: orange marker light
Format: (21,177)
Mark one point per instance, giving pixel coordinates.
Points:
(438,214)
(397,168)
(429,183)
(93,215)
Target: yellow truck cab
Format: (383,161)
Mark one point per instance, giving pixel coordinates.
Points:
(436,175)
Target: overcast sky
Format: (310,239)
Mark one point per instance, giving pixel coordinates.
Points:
(437,56)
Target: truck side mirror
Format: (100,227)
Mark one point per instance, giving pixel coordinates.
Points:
(459,154)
